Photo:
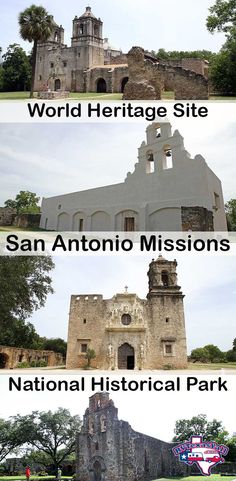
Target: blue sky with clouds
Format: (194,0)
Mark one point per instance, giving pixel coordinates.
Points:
(151,24)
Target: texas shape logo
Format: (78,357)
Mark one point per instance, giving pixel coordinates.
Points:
(205,454)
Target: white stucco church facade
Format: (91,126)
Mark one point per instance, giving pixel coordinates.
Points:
(167,191)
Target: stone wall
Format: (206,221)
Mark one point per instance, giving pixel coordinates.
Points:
(6,216)
(147,73)
(27,220)
(10,357)
(197,219)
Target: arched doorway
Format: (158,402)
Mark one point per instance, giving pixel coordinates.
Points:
(101,85)
(97,471)
(3,360)
(126,357)
(123,84)
(57,84)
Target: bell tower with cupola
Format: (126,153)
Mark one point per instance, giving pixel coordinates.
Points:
(87,38)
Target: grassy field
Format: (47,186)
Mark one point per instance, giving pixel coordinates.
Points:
(211,366)
(96,96)
(214,477)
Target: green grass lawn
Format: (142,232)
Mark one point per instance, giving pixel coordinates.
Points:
(213,477)
(96,96)
(211,366)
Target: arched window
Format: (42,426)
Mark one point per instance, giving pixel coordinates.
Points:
(81,29)
(168,160)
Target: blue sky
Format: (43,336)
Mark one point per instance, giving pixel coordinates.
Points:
(151,24)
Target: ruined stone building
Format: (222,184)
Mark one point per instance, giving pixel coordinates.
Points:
(91,64)
(108,449)
(167,191)
(10,357)
(127,332)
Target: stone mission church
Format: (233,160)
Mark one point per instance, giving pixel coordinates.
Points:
(168,190)
(91,64)
(108,449)
(127,332)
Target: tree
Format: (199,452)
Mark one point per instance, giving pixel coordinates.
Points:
(222,16)
(36,25)
(53,434)
(24,203)
(25,284)
(90,355)
(56,345)
(222,69)
(230,209)
(198,425)
(8,441)
(16,69)
(209,353)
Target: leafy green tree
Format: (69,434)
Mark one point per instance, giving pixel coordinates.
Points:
(16,69)
(36,26)
(90,355)
(209,353)
(52,433)
(213,430)
(200,354)
(55,344)
(25,284)
(8,439)
(222,69)
(24,203)
(230,209)
(231,355)
(222,16)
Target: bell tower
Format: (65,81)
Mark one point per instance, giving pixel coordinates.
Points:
(163,278)
(87,38)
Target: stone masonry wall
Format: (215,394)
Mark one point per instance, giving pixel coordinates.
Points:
(6,216)
(11,356)
(197,219)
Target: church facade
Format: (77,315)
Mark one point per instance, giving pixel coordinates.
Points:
(127,332)
(167,191)
(108,449)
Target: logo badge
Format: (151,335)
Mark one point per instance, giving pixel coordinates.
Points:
(205,454)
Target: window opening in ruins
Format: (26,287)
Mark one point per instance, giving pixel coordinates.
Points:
(146,461)
(98,403)
(158,132)
(150,163)
(84,348)
(126,319)
(81,29)
(129,224)
(216,201)
(96,30)
(3,360)
(103,423)
(167,319)
(64,63)
(51,64)
(168,160)
(56,38)
(168,349)
(165,279)
(124,81)
(20,358)
(85,321)
(81,225)
(97,446)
